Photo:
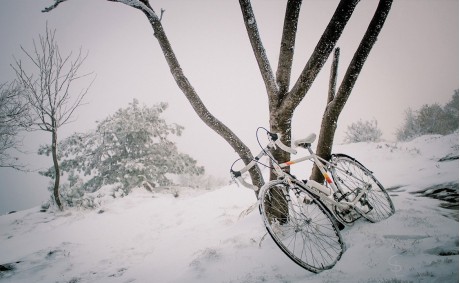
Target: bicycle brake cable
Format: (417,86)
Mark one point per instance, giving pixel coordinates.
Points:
(263,149)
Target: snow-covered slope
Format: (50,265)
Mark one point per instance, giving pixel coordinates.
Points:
(214,236)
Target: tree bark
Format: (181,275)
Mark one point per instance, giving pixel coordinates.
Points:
(320,54)
(259,52)
(326,121)
(283,73)
(333,76)
(57,172)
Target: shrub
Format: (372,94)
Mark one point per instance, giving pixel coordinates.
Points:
(126,149)
(363,131)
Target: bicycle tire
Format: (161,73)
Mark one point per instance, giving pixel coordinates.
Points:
(305,231)
(351,177)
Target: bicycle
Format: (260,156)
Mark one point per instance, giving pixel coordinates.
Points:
(304,217)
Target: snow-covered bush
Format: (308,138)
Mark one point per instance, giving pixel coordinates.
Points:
(14,117)
(430,119)
(363,131)
(128,148)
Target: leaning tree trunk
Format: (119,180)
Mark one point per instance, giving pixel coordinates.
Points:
(195,101)
(328,124)
(335,107)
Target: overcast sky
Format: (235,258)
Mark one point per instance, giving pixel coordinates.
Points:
(414,62)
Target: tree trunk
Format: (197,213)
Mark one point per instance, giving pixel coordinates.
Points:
(282,102)
(281,123)
(57,172)
(327,131)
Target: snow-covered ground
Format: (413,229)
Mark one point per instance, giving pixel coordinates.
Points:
(214,236)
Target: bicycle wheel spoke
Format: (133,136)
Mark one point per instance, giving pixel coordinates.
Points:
(301,226)
(352,178)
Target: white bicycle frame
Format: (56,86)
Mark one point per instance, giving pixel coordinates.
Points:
(319,190)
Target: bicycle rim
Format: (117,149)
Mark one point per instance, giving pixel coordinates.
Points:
(300,226)
(352,177)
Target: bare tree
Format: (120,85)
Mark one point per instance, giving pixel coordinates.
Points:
(47,88)
(282,98)
(13,119)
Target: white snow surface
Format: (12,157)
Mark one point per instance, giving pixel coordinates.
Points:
(213,236)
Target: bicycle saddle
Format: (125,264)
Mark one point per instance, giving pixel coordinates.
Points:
(306,142)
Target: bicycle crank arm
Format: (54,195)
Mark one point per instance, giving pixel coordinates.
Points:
(358,197)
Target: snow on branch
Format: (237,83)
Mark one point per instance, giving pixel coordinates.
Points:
(56,3)
(142,5)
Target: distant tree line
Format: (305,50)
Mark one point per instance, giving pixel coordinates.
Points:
(429,119)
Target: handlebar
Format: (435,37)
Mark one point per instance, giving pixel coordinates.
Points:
(275,141)
(243,182)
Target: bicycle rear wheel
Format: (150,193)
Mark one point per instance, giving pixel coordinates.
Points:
(300,226)
(351,177)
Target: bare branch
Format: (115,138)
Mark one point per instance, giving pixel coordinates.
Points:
(56,3)
(322,50)
(291,18)
(360,56)
(333,76)
(161,14)
(259,51)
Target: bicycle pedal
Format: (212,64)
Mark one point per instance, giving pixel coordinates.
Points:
(339,197)
(370,207)
(364,202)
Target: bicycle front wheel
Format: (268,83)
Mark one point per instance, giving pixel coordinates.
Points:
(351,177)
(300,225)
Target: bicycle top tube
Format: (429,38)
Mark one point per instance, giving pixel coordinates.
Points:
(274,141)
